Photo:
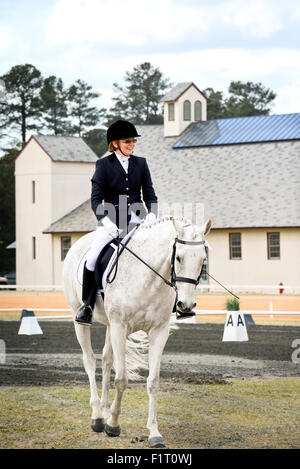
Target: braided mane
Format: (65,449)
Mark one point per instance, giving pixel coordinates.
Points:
(164,219)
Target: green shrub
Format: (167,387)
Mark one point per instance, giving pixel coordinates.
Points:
(232,304)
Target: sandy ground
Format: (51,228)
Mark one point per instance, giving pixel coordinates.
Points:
(40,299)
(194,353)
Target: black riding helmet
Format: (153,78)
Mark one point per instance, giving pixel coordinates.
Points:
(120,130)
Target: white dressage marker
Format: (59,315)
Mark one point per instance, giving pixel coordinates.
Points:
(235,327)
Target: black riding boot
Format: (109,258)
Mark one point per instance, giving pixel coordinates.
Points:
(85,314)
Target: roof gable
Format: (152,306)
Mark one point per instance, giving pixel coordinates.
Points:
(72,149)
(178,90)
(67,149)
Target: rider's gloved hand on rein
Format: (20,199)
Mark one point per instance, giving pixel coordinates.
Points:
(150,218)
(109,227)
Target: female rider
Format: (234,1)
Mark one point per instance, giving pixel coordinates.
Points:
(116,199)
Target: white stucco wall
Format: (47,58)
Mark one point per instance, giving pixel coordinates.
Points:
(70,186)
(31,218)
(59,188)
(255,268)
(58,262)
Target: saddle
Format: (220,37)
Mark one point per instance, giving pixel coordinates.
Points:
(102,263)
(106,262)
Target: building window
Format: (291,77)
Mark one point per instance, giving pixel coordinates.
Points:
(33,192)
(273,245)
(65,243)
(187,110)
(197,111)
(235,246)
(171,112)
(33,247)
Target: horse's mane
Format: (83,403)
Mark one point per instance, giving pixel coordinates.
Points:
(164,219)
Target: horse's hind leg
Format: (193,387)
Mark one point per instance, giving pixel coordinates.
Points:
(118,341)
(83,334)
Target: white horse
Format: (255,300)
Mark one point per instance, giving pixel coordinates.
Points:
(137,300)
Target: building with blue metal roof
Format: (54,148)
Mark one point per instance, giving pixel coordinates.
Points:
(234,131)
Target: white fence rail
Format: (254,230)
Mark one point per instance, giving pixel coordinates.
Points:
(202,312)
(270,289)
(290,289)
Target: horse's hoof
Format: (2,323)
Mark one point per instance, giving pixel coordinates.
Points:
(98,425)
(112,431)
(156,442)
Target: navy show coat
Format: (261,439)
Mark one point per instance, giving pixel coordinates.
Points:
(111,184)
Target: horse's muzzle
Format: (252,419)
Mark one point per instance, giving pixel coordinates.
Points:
(184,307)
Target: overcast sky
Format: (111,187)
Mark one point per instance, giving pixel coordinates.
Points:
(209,42)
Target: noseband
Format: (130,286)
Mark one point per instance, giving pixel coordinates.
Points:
(174,277)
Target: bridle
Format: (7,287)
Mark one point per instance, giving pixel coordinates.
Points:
(174,277)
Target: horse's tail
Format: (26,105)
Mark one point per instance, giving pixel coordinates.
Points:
(137,354)
(137,346)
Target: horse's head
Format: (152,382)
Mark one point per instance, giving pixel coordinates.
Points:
(188,256)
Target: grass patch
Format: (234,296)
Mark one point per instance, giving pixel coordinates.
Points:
(242,414)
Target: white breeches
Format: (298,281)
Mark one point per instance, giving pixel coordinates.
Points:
(101,239)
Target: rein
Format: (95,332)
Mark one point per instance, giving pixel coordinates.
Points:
(174,278)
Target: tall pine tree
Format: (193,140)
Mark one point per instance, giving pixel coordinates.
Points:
(22,110)
(84,115)
(244,99)
(55,106)
(7,210)
(139,100)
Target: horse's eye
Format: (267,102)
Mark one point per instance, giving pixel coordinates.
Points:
(178,259)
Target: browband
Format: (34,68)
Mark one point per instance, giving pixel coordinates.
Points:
(191,243)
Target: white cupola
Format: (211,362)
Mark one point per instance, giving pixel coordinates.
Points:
(183,105)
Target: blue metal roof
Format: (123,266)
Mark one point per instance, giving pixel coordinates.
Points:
(241,130)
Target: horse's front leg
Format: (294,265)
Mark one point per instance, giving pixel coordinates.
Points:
(118,341)
(157,341)
(107,363)
(83,334)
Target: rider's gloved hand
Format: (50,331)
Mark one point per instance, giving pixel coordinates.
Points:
(150,218)
(109,227)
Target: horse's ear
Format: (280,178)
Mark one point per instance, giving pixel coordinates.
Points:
(178,227)
(206,227)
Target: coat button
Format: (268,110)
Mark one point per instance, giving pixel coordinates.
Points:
(126,179)
(127,188)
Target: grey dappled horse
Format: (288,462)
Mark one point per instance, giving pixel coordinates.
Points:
(137,300)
